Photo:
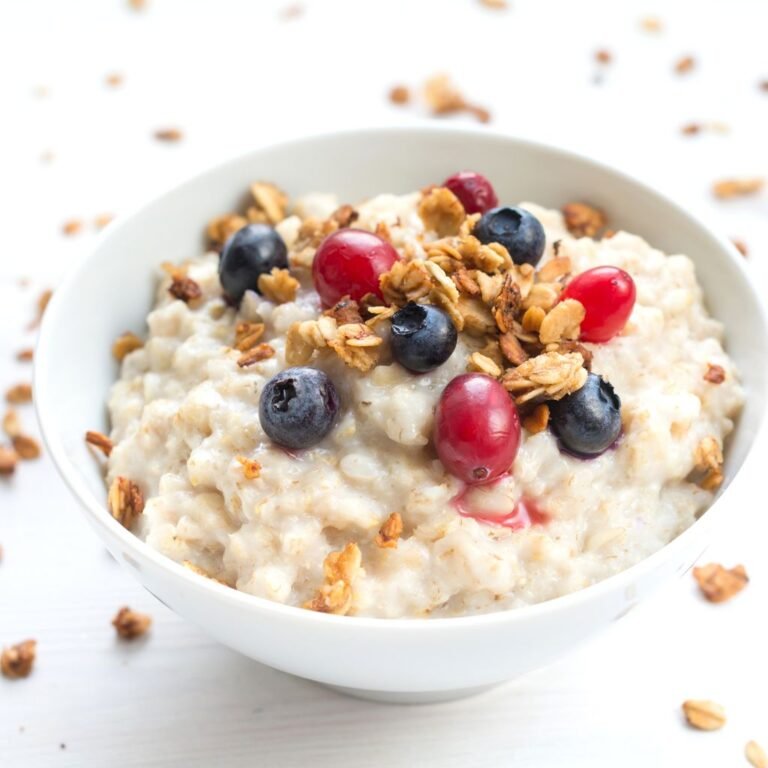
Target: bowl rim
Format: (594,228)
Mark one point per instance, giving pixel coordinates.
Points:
(112,529)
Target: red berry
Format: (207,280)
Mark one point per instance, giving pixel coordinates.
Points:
(608,295)
(349,263)
(473,190)
(477,428)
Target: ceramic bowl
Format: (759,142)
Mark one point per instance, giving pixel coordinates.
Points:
(397,660)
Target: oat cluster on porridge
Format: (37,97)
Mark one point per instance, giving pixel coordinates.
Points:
(425,404)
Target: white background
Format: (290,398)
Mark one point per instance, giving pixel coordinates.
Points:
(233,75)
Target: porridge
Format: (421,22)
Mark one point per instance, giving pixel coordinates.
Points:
(423,405)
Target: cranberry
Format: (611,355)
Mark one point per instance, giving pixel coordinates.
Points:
(608,295)
(477,428)
(349,263)
(473,190)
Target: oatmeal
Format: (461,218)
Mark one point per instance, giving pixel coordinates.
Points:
(348,489)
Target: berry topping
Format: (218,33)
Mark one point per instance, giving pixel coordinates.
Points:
(252,251)
(608,295)
(477,428)
(349,263)
(423,337)
(298,407)
(474,191)
(519,231)
(587,422)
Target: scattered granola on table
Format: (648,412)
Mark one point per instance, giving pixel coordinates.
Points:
(684,65)
(756,755)
(72,227)
(131,624)
(19,393)
(739,187)
(719,584)
(17,660)
(333,355)
(168,135)
(704,715)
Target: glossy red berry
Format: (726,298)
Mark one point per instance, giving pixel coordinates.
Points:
(349,263)
(477,428)
(608,295)
(473,190)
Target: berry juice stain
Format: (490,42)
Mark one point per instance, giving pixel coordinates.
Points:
(491,509)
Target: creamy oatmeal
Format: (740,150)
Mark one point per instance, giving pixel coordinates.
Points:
(368,521)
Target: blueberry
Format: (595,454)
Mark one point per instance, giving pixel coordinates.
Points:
(519,231)
(250,252)
(298,407)
(588,421)
(423,337)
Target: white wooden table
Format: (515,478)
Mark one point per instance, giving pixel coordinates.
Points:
(233,74)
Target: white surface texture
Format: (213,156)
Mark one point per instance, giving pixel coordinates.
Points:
(234,75)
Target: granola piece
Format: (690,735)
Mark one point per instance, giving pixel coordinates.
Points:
(357,345)
(399,94)
(406,281)
(103,219)
(555,269)
(169,135)
(651,24)
(138,5)
(490,286)
(72,227)
(533,318)
(25,355)
(563,321)
(684,65)
(251,468)
(303,338)
(444,98)
(247,334)
(19,393)
(479,363)
(493,350)
(345,216)
(390,532)
(383,231)
(691,129)
(221,228)
(377,314)
(185,289)
(715,374)
(512,349)
(507,303)
(719,584)
(495,5)
(131,624)
(466,282)
(255,355)
(345,310)
(725,189)
(17,660)
(476,317)
(544,295)
(572,346)
(114,80)
(100,441)
(704,715)
(740,246)
(26,447)
(583,220)
(340,570)
(549,376)
(708,460)
(8,459)
(537,420)
(11,423)
(124,344)
(125,501)
(269,203)
(603,56)
(279,286)
(756,755)
(441,211)
(42,304)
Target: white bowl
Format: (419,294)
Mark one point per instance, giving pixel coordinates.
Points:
(398,660)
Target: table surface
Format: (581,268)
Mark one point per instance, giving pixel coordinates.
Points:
(232,75)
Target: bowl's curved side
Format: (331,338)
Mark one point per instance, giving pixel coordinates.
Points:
(114,285)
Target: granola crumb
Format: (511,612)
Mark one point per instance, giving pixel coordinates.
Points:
(603,56)
(340,570)
(726,189)
(125,501)
(131,624)
(479,363)
(269,203)
(138,5)
(704,715)
(441,211)
(708,459)
(17,660)
(124,344)
(583,220)
(279,286)
(255,355)
(11,423)
(684,65)
(26,447)
(399,94)
(719,584)
(651,24)
(8,460)
(113,80)
(345,310)
(72,227)
(495,5)
(19,394)
(740,246)
(715,374)
(103,219)
(251,468)
(169,135)
(185,289)
(536,421)
(390,532)
(691,129)
(247,335)
(443,98)
(763,86)
(756,755)
(42,304)
(100,441)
